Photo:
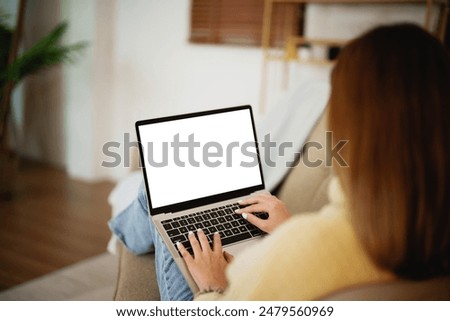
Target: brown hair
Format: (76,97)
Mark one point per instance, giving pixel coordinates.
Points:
(391,99)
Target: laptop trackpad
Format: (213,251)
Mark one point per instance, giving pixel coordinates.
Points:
(235,249)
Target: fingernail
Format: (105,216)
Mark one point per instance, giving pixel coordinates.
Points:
(190,232)
(237,211)
(178,244)
(244,215)
(216,232)
(199,230)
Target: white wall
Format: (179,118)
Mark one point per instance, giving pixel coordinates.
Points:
(140,64)
(150,71)
(80,110)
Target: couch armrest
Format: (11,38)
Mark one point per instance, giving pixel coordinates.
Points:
(136,280)
(305,189)
(436,289)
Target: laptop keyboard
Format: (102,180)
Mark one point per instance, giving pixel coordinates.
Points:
(232,227)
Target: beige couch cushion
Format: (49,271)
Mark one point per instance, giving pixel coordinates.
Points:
(136,280)
(305,188)
(436,289)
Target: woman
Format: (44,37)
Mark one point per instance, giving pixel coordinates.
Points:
(389,210)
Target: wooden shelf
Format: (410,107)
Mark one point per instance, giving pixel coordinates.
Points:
(268,9)
(290,51)
(349,1)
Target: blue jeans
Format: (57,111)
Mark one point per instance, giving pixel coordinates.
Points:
(138,233)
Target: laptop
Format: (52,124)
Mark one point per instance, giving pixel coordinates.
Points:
(196,168)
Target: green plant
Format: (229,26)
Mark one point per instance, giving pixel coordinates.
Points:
(45,53)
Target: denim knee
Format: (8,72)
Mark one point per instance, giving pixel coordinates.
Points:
(133,225)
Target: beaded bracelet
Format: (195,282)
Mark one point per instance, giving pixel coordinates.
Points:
(219,291)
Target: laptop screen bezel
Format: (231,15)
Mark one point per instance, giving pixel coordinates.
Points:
(177,207)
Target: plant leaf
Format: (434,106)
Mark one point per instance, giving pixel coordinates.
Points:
(45,53)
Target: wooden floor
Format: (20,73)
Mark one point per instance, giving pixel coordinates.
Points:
(51,222)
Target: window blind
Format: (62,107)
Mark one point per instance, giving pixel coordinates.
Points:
(239,22)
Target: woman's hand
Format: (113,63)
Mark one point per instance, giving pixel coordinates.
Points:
(207,266)
(278,212)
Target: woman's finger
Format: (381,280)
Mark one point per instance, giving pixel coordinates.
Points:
(228,257)
(259,207)
(184,253)
(194,243)
(254,199)
(203,240)
(217,244)
(256,221)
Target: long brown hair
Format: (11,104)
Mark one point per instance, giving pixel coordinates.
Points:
(391,99)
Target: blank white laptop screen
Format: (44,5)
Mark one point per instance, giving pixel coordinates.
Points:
(196,157)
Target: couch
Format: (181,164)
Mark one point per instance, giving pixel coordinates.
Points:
(303,190)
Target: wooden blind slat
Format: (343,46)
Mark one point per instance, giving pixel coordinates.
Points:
(239,22)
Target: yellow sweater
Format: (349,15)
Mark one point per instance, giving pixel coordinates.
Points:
(308,257)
